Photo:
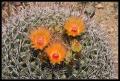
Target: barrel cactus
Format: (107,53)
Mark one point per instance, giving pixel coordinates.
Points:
(20,61)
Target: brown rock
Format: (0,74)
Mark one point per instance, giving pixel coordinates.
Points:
(99,6)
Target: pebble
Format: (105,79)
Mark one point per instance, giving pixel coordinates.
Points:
(17,3)
(99,6)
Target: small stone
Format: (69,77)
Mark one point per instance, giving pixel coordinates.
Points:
(99,6)
(17,3)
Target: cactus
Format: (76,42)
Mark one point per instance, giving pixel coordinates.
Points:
(19,61)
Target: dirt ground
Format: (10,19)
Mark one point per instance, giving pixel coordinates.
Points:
(106,14)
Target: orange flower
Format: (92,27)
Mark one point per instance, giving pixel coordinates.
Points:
(40,37)
(56,52)
(74,26)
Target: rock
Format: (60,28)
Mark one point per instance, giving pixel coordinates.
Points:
(99,6)
(17,3)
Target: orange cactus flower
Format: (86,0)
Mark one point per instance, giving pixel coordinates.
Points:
(56,52)
(40,37)
(74,26)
